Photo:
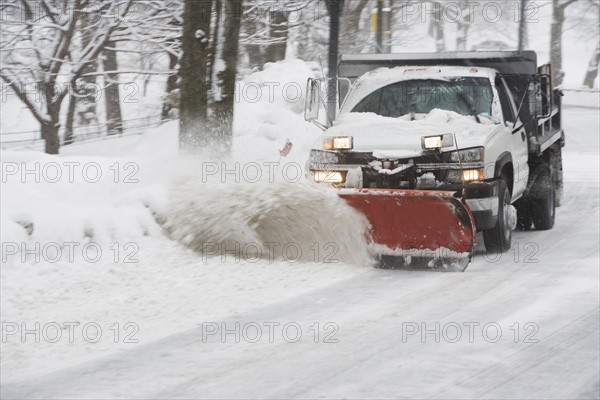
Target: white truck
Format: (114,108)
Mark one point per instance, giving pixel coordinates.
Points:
(483,125)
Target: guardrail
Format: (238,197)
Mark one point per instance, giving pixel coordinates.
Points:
(82,134)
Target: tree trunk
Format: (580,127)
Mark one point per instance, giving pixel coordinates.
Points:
(215,47)
(114,119)
(462,35)
(250,31)
(82,106)
(223,108)
(556,31)
(350,25)
(436,30)
(168,102)
(70,117)
(50,135)
(193,102)
(303,42)
(50,128)
(275,51)
(85,89)
(592,72)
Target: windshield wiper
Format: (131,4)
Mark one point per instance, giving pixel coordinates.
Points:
(470,105)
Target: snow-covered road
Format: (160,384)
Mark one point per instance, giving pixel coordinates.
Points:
(525,325)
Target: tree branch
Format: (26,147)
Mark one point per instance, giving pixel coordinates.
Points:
(23,97)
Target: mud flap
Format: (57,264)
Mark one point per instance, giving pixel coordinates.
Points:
(432,226)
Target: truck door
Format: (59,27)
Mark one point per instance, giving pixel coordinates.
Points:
(517,143)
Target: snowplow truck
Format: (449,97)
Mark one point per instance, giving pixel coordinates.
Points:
(433,148)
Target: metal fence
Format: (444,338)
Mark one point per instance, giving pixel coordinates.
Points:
(81,134)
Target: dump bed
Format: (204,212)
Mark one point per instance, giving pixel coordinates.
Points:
(352,66)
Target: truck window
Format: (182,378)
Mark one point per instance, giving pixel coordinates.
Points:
(505,103)
(466,96)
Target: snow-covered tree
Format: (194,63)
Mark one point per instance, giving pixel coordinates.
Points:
(559,8)
(195,43)
(40,61)
(583,17)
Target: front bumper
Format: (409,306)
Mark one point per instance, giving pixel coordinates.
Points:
(359,172)
(482,199)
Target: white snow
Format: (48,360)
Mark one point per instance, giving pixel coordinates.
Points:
(381,333)
(391,136)
(395,154)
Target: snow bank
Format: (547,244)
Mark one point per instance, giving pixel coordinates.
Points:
(587,98)
(73,199)
(123,189)
(270,110)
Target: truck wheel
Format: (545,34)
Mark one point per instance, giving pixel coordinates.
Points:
(543,203)
(557,173)
(524,218)
(499,238)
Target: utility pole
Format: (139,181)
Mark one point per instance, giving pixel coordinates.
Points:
(379,32)
(334,8)
(522,25)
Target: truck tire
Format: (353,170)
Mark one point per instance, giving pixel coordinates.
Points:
(543,199)
(557,172)
(499,238)
(524,217)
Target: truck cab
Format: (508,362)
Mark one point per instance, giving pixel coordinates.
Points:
(470,123)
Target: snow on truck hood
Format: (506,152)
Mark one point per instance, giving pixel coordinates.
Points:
(400,137)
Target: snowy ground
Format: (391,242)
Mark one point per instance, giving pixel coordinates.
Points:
(521,326)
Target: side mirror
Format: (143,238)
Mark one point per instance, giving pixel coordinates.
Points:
(542,96)
(311,105)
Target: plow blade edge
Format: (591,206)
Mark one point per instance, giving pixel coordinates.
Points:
(417,223)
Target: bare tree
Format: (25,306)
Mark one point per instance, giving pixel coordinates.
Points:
(114,119)
(158,27)
(278,35)
(350,20)
(38,53)
(592,71)
(193,132)
(436,30)
(222,107)
(586,22)
(82,99)
(558,20)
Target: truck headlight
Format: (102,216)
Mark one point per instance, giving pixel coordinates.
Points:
(437,142)
(472,175)
(465,175)
(468,155)
(338,143)
(329,177)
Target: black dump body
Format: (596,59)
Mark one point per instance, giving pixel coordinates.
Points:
(352,66)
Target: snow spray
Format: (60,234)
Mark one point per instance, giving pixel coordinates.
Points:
(266,220)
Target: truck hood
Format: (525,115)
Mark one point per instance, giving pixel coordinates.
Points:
(401,138)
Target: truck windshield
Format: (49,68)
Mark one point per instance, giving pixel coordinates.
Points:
(466,96)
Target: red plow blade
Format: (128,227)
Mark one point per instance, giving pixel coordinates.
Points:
(434,225)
